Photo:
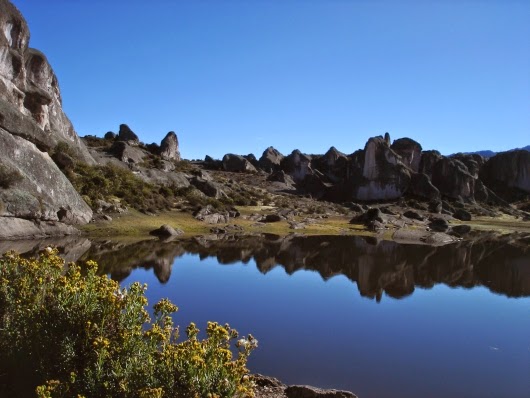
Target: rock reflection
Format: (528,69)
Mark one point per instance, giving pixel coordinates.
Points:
(501,263)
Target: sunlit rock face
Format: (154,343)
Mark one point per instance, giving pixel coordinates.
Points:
(384,176)
(297,165)
(32,123)
(29,85)
(169,147)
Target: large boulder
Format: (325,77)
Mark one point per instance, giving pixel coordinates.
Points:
(40,191)
(508,170)
(473,162)
(383,175)
(410,152)
(270,160)
(169,147)
(126,134)
(237,163)
(208,187)
(421,185)
(452,178)
(30,97)
(297,165)
(333,164)
(129,154)
(428,160)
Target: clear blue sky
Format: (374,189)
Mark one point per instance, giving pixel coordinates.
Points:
(238,76)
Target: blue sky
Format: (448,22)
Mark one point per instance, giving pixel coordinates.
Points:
(238,76)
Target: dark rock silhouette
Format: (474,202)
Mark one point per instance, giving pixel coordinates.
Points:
(126,134)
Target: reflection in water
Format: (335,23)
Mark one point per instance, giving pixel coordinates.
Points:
(500,263)
(437,343)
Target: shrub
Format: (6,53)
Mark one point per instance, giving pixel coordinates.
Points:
(108,181)
(80,334)
(8,177)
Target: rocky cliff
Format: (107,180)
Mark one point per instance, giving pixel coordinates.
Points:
(32,124)
(390,171)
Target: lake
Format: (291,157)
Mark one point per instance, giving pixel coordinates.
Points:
(378,318)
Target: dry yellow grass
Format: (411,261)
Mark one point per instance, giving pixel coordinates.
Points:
(138,224)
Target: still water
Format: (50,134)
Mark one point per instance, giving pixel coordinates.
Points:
(378,318)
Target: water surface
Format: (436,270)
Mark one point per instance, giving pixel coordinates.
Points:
(375,317)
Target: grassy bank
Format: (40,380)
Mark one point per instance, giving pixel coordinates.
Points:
(137,224)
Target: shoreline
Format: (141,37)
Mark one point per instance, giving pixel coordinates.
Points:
(134,224)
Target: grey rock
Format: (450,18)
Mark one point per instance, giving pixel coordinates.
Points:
(370,215)
(43,190)
(236,163)
(383,175)
(460,230)
(410,152)
(462,215)
(413,215)
(508,170)
(272,218)
(166,231)
(313,392)
(208,187)
(421,186)
(30,97)
(439,225)
(126,134)
(211,216)
(435,206)
(270,160)
(18,228)
(169,147)
(355,207)
(281,176)
(109,135)
(452,178)
(127,153)
(297,165)
(428,160)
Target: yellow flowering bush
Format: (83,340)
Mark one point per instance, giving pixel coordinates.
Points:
(68,332)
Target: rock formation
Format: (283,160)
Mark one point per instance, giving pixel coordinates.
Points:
(410,152)
(508,170)
(383,176)
(237,163)
(32,122)
(169,147)
(297,165)
(30,98)
(126,134)
(270,160)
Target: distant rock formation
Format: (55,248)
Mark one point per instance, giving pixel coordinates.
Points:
(383,176)
(236,163)
(270,160)
(169,147)
(410,152)
(508,170)
(32,122)
(126,134)
(388,172)
(297,165)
